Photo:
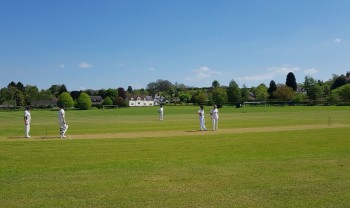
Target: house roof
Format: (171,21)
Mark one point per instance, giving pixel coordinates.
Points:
(52,101)
(142,97)
(96,99)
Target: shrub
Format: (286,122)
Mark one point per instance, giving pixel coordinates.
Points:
(107,101)
(84,101)
(66,100)
(119,101)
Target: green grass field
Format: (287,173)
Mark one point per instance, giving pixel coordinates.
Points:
(284,157)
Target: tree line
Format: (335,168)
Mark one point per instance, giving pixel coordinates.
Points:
(311,91)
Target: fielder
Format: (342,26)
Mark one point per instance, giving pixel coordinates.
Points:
(201,118)
(161,113)
(214,115)
(27,119)
(62,122)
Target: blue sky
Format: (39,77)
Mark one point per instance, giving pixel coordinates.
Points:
(95,44)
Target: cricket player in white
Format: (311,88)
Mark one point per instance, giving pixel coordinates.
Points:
(62,122)
(201,119)
(214,115)
(161,113)
(27,119)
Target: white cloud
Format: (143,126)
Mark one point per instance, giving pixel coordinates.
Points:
(271,73)
(259,77)
(310,71)
(202,73)
(85,65)
(152,69)
(283,70)
(62,66)
(337,40)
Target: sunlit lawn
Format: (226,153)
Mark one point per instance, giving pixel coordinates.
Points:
(300,168)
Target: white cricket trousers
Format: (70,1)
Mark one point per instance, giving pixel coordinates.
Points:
(215,123)
(202,124)
(26,130)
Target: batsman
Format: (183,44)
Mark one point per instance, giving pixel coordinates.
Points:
(62,122)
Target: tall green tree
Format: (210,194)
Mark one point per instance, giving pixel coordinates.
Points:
(185,97)
(45,95)
(75,94)
(62,89)
(233,93)
(12,84)
(102,93)
(152,88)
(219,96)
(160,85)
(55,89)
(19,98)
(244,93)
(261,93)
(291,81)
(111,93)
(313,89)
(12,96)
(130,90)
(31,93)
(20,87)
(201,98)
(272,89)
(215,84)
(165,86)
(2,95)
(121,93)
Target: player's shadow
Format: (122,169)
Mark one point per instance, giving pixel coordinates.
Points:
(16,137)
(34,137)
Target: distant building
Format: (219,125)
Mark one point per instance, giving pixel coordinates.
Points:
(7,106)
(251,96)
(96,100)
(44,103)
(159,100)
(175,100)
(141,101)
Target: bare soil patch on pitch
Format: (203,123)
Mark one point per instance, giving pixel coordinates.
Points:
(209,132)
(164,134)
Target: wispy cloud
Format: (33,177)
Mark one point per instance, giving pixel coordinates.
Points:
(310,71)
(337,40)
(62,66)
(271,73)
(85,65)
(202,73)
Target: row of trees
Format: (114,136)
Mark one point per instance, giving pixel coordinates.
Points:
(333,91)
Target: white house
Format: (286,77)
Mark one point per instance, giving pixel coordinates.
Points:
(143,101)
